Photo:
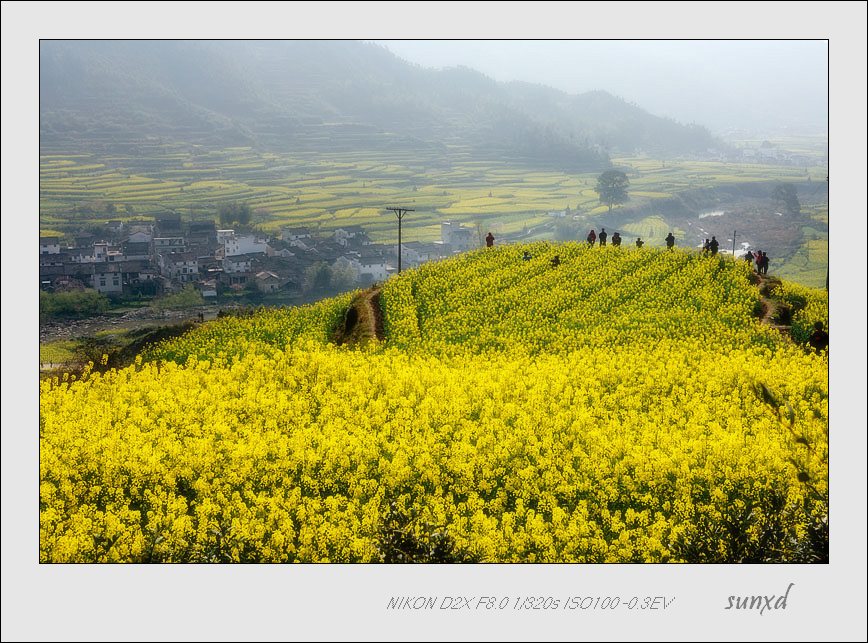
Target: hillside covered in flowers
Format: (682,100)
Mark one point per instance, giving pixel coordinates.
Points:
(615,405)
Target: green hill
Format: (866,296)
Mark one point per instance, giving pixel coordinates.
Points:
(326,96)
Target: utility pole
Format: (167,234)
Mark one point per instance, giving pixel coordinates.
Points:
(399,213)
(733,244)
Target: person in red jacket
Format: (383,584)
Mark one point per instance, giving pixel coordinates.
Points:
(592,238)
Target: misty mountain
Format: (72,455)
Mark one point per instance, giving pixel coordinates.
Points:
(328,96)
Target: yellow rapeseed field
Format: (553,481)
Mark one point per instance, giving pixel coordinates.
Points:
(622,406)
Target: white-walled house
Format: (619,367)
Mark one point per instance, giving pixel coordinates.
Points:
(283,253)
(367,267)
(244,245)
(374,268)
(140,226)
(49,245)
(107,280)
(80,255)
(139,237)
(180,266)
(295,234)
(100,250)
(237,263)
(458,237)
(354,235)
(416,252)
(163,245)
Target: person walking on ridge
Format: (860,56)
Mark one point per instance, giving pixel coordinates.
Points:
(616,240)
(489,240)
(670,240)
(765,263)
(706,247)
(713,246)
(639,242)
(603,236)
(592,237)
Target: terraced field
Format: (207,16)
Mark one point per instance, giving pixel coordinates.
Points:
(354,188)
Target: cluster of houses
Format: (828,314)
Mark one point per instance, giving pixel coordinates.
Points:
(163,255)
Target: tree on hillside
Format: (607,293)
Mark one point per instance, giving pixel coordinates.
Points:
(612,187)
(785,193)
(234,213)
(317,276)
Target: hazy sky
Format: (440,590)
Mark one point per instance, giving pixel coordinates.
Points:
(764,85)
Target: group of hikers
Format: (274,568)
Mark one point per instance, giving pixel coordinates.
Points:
(710,247)
(759,260)
(819,339)
(593,237)
(616,238)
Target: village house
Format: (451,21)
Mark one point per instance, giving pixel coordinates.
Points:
(459,238)
(238,263)
(49,245)
(136,251)
(202,233)
(107,280)
(84,240)
(104,251)
(295,234)
(165,245)
(244,245)
(140,226)
(267,282)
(235,278)
(179,266)
(208,288)
(209,262)
(283,253)
(168,226)
(327,250)
(115,227)
(367,266)
(80,255)
(416,252)
(139,237)
(351,236)
(373,267)
(58,259)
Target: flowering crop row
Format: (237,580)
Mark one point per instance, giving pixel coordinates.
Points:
(810,304)
(493,300)
(602,455)
(623,406)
